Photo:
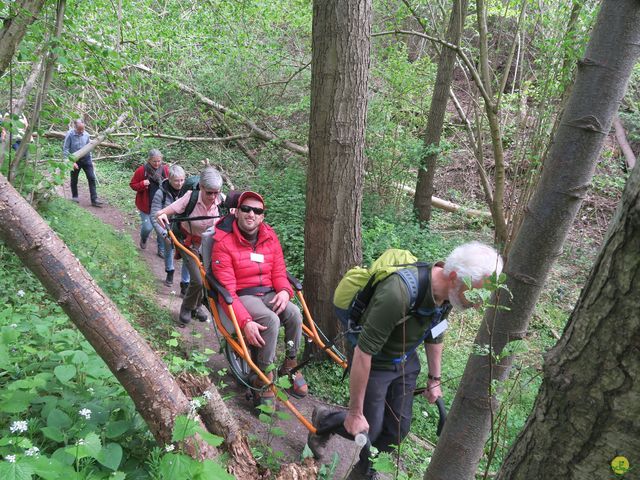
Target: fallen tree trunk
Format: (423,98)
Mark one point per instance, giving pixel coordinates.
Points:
(89,147)
(231,138)
(448,206)
(156,394)
(256,132)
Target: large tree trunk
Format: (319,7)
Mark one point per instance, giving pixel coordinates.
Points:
(600,84)
(14,27)
(339,79)
(588,407)
(437,110)
(155,392)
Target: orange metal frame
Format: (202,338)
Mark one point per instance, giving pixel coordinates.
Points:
(238,344)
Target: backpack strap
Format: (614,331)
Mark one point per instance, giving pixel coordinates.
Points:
(192,203)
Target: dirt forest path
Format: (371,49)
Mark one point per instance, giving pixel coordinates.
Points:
(201,335)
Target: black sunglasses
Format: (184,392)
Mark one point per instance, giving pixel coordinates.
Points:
(247,209)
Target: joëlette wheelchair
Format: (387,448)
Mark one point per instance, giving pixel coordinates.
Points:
(235,348)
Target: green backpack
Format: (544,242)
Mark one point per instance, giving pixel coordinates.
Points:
(355,290)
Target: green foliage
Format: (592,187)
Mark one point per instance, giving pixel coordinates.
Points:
(61,409)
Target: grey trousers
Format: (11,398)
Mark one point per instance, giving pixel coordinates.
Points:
(261,312)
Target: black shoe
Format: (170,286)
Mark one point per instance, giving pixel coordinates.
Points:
(143,244)
(75,199)
(97,203)
(200,314)
(317,443)
(184,318)
(169,280)
(183,288)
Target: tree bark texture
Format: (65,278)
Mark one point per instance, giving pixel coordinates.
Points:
(588,408)
(153,389)
(437,111)
(22,14)
(600,85)
(335,180)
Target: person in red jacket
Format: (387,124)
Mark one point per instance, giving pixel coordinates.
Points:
(146,181)
(247,260)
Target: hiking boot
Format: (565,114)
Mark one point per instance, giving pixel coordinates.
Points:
(169,280)
(97,203)
(143,244)
(185,317)
(183,288)
(200,314)
(75,199)
(299,386)
(262,395)
(317,443)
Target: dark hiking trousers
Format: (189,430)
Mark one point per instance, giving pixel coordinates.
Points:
(86,165)
(388,405)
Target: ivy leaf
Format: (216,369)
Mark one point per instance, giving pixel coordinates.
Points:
(16,471)
(214,471)
(117,428)
(58,419)
(183,427)
(65,372)
(51,468)
(110,456)
(210,438)
(178,466)
(17,402)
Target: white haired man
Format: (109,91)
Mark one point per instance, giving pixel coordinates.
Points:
(385,364)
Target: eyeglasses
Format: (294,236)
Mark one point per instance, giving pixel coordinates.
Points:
(213,192)
(247,209)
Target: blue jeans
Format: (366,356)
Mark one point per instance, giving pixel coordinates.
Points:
(146,228)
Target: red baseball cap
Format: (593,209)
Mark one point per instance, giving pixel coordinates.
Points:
(250,194)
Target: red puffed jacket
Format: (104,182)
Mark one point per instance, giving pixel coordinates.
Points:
(237,265)
(144,193)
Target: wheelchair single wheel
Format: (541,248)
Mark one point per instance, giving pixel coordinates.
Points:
(239,367)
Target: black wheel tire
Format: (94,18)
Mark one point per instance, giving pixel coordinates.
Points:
(239,367)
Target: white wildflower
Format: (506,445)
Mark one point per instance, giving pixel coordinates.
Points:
(21,293)
(86,413)
(194,404)
(18,426)
(14,325)
(207,394)
(32,452)
(91,390)
(169,448)
(10,458)
(290,344)
(80,442)
(173,292)
(425,414)
(124,276)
